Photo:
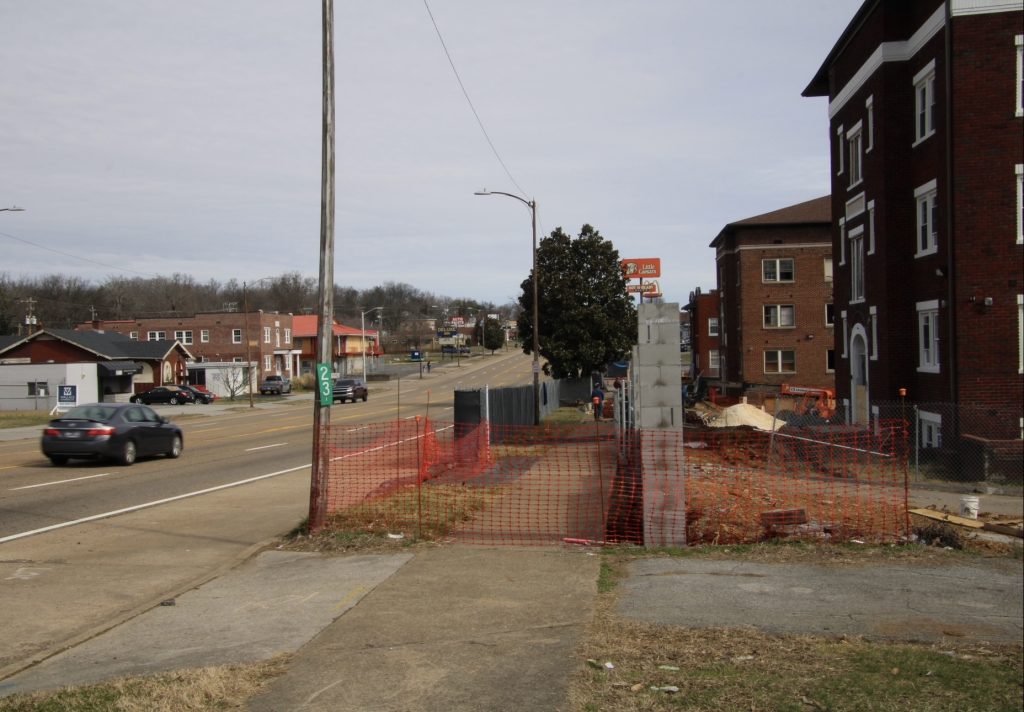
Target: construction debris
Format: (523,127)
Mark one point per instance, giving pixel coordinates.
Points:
(969,523)
(735,415)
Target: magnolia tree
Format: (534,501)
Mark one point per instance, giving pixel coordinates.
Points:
(587,318)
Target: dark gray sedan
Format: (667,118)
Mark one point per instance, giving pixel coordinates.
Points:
(120,431)
(350,389)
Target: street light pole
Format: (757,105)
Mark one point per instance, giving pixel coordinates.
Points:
(362,343)
(248,342)
(532,205)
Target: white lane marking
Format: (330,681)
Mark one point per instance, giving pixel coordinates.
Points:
(146,505)
(59,482)
(385,446)
(264,447)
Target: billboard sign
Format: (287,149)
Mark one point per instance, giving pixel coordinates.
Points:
(643,288)
(644,268)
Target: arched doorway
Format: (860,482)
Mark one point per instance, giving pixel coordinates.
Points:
(859,375)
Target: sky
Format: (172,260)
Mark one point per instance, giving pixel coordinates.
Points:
(149,138)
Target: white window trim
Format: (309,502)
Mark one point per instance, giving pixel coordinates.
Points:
(830,272)
(855,134)
(717,331)
(927,192)
(287,335)
(842,242)
(842,149)
(778,271)
(204,336)
(1020,333)
(869,106)
(778,314)
(922,77)
(855,233)
(932,419)
(832,324)
(134,335)
(1019,42)
(268,363)
(873,312)
(236,336)
(930,307)
(871,227)
(1019,170)
(266,334)
(842,316)
(778,357)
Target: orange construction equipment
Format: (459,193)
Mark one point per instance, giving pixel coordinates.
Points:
(805,399)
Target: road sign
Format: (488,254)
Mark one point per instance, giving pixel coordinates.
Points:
(323,383)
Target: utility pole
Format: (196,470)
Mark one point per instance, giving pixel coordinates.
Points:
(325,326)
(30,318)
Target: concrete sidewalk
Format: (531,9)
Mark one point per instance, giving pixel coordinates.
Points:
(453,628)
(459,628)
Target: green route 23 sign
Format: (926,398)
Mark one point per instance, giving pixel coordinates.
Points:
(323,383)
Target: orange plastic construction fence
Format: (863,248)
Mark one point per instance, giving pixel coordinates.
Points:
(591,483)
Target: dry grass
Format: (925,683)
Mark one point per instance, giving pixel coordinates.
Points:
(227,687)
(24,418)
(406,518)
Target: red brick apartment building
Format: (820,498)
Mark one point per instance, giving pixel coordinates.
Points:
(925,123)
(775,287)
(218,338)
(705,334)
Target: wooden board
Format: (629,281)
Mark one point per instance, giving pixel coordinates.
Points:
(970,523)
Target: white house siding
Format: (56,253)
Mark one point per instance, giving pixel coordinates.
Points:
(14,380)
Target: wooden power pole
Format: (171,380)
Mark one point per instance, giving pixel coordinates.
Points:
(325,325)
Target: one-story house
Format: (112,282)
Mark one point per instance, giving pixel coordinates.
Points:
(61,367)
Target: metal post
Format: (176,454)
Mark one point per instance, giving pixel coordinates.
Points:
(322,413)
(532,205)
(536,319)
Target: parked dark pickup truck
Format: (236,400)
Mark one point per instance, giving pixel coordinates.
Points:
(275,386)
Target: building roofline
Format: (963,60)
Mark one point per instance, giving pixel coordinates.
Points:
(810,212)
(818,85)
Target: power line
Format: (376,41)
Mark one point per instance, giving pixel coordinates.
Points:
(77,257)
(469,101)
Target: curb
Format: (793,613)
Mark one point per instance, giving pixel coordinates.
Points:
(15,668)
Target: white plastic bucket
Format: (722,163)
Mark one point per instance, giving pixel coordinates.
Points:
(969,507)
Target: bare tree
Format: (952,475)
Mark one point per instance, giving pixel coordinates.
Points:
(233,381)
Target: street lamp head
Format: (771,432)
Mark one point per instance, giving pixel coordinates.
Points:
(482,192)
(13,209)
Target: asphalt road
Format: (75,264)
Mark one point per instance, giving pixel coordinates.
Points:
(87,546)
(235,444)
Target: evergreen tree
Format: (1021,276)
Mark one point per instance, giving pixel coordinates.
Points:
(587,318)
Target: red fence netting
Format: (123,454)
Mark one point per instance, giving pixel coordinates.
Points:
(525,485)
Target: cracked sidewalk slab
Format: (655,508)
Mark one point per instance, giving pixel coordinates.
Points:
(980,601)
(272,604)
